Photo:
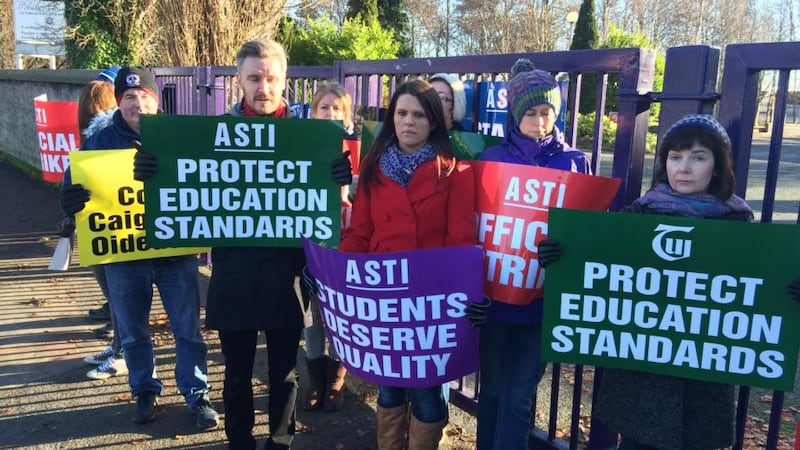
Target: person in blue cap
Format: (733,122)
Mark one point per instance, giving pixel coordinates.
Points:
(96,107)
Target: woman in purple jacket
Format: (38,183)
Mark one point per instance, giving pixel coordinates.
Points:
(510,365)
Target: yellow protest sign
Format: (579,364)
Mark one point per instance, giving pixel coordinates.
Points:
(111,227)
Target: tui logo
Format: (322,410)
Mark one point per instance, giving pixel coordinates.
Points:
(669,247)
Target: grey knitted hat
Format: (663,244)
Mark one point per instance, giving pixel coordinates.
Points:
(700,121)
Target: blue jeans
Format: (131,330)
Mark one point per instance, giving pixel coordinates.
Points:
(100,275)
(510,369)
(427,404)
(131,287)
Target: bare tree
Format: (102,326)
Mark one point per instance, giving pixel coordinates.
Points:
(429,27)
(197,32)
(180,32)
(336,10)
(605,8)
(700,22)
(7,60)
(732,23)
(209,32)
(478,27)
(508,26)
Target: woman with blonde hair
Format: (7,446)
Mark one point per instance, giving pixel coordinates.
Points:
(326,373)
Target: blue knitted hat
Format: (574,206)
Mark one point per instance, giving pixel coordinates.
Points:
(531,87)
(700,121)
(108,74)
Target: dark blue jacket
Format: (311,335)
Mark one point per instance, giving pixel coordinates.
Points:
(551,152)
(118,135)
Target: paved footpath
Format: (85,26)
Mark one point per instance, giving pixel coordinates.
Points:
(47,402)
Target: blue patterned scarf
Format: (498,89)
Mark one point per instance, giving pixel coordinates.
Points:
(400,167)
(663,199)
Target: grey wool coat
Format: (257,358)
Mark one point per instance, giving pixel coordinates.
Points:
(667,412)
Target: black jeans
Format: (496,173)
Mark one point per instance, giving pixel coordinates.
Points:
(239,350)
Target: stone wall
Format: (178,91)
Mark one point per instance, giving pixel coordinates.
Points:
(17,120)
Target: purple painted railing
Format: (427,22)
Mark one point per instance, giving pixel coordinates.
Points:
(690,80)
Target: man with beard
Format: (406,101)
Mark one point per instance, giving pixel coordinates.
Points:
(252,288)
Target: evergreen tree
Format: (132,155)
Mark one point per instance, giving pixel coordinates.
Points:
(393,16)
(366,9)
(619,38)
(93,43)
(586,37)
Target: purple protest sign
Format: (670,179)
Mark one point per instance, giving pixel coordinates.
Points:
(398,318)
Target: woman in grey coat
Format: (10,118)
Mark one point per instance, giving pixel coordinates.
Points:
(693,178)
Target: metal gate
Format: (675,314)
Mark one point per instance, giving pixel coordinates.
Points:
(690,86)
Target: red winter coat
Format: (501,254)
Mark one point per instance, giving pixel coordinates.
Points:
(433,211)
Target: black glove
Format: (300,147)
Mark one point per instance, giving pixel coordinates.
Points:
(549,252)
(309,283)
(794,289)
(66,227)
(73,199)
(342,170)
(145,165)
(478,313)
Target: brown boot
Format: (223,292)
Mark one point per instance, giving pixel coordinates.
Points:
(334,396)
(424,436)
(392,425)
(315,394)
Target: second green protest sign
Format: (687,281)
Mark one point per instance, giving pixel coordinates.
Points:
(692,298)
(240,181)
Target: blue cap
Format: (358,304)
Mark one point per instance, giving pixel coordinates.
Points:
(109,74)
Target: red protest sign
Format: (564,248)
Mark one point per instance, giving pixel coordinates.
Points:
(57,134)
(512,203)
(354,146)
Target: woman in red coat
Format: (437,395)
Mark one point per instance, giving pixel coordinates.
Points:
(412,195)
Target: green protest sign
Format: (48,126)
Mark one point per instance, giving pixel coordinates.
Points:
(467,145)
(239,181)
(692,298)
